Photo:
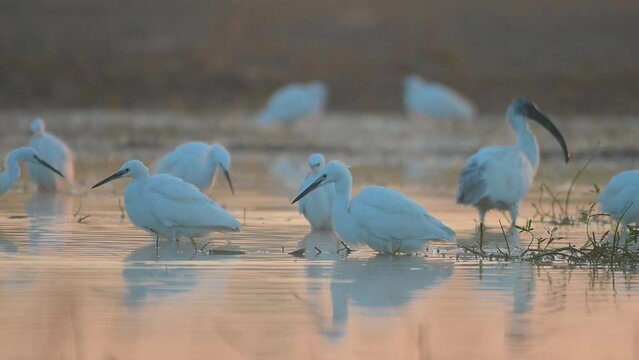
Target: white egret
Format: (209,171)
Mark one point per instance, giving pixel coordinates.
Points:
(620,199)
(435,101)
(500,177)
(168,206)
(316,206)
(55,152)
(293,102)
(197,163)
(384,219)
(12,162)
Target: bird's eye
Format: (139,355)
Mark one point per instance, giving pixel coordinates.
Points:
(324,176)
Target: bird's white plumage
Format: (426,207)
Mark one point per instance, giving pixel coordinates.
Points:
(435,101)
(384,219)
(620,197)
(316,206)
(12,161)
(55,152)
(170,206)
(500,177)
(390,222)
(496,178)
(293,102)
(195,163)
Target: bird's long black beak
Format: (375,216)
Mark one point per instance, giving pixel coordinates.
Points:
(115,176)
(46,165)
(539,117)
(317,183)
(228,180)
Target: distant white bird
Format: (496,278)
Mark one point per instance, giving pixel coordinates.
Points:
(294,102)
(435,101)
(316,206)
(384,219)
(620,198)
(55,152)
(500,177)
(168,206)
(12,161)
(197,163)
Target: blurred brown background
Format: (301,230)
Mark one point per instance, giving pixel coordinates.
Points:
(571,56)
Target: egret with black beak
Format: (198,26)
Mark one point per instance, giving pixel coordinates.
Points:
(169,207)
(12,161)
(197,163)
(384,219)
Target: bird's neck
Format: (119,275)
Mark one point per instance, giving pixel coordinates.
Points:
(10,175)
(526,141)
(342,220)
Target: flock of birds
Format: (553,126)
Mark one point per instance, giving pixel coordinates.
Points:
(170,202)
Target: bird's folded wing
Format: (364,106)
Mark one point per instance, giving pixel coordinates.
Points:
(389,214)
(177,203)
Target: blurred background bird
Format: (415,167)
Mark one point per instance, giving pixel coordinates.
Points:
(432,100)
(56,153)
(294,102)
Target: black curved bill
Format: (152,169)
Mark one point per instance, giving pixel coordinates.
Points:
(46,165)
(310,188)
(115,176)
(536,115)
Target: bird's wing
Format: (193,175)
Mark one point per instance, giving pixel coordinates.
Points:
(174,202)
(389,214)
(472,184)
(288,103)
(613,197)
(171,161)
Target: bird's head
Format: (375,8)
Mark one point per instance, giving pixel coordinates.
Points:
(37,126)
(333,172)
(413,81)
(316,162)
(524,108)
(221,157)
(30,155)
(132,168)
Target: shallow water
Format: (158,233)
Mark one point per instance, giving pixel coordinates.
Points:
(96,289)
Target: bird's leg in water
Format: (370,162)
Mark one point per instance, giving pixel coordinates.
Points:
(482,215)
(193,242)
(514,212)
(157,243)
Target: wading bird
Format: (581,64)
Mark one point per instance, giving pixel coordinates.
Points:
(56,153)
(169,207)
(197,163)
(293,102)
(316,206)
(500,177)
(435,101)
(12,162)
(620,199)
(384,219)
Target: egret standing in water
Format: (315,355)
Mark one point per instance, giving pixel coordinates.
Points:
(620,199)
(12,162)
(435,101)
(169,207)
(316,206)
(500,177)
(294,102)
(197,163)
(55,152)
(384,219)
